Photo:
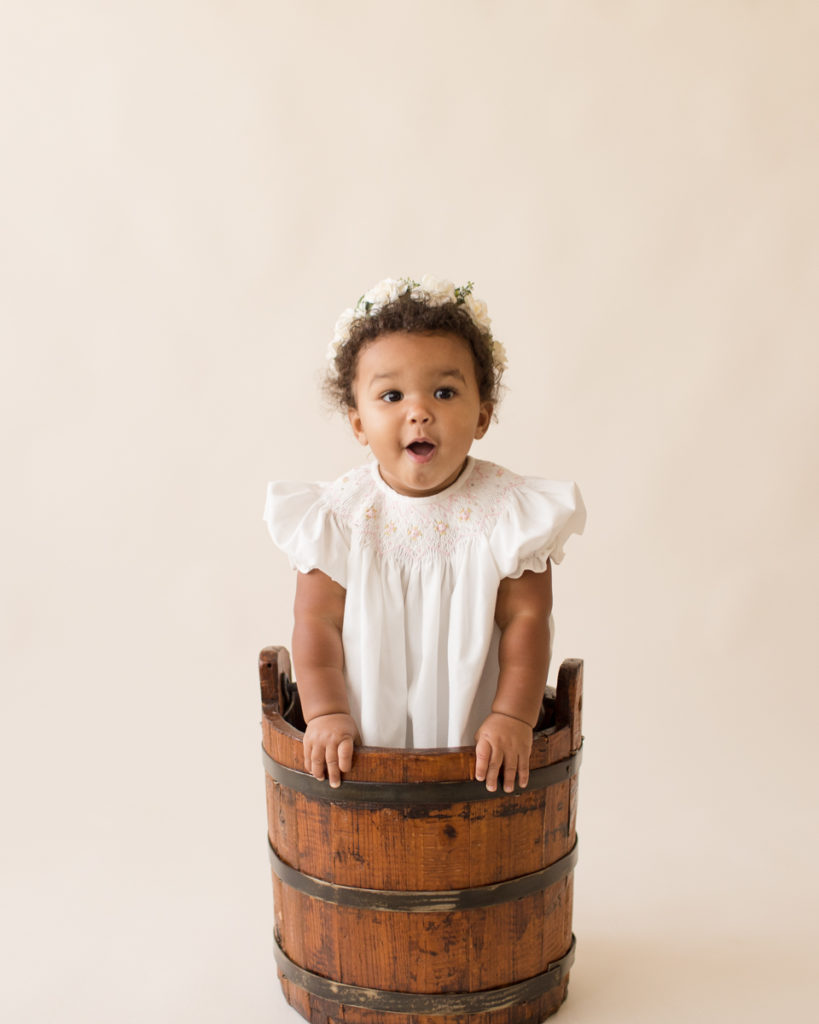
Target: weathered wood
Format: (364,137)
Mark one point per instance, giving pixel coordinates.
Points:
(274,663)
(570,699)
(417,847)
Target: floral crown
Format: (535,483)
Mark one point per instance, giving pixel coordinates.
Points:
(431,291)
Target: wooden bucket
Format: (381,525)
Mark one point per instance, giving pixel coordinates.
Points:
(411,894)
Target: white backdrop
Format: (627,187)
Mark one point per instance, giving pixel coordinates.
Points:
(192,192)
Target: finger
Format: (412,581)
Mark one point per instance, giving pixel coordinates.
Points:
(317,763)
(482,752)
(523,772)
(345,754)
(510,767)
(495,763)
(333,774)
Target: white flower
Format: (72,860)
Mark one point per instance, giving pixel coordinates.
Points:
(342,329)
(478,311)
(384,292)
(499,355)
(341,334)
(438,290)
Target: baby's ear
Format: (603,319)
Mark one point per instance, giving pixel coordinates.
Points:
(356,424)
(484,419)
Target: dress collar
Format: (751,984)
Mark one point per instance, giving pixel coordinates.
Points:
(426,499)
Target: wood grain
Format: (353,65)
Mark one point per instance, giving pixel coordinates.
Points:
(440,846)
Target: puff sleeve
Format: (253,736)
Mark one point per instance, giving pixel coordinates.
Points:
(302,524)
(538,519)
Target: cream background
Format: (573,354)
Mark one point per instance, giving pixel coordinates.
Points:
(191,193)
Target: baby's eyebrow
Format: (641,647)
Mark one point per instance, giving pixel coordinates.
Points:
(444,373)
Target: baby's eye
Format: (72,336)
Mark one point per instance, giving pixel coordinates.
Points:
(445,393)
(392,396)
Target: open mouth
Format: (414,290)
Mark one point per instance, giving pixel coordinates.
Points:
(421,450)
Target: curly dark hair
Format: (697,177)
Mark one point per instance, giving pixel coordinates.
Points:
(414,317)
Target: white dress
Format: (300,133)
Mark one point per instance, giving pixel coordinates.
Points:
(422,576)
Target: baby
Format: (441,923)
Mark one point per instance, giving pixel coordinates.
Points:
(424,592)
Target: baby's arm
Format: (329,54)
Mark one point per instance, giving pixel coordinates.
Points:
(319,657)
(505,737)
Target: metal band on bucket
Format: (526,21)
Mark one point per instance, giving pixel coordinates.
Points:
(414,793)
(426,1002)
(423,901)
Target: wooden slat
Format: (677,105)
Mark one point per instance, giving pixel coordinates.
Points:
(446,846)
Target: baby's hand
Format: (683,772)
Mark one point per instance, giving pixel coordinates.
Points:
(329,739)
(503,742)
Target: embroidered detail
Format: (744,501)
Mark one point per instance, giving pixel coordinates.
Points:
(411,531)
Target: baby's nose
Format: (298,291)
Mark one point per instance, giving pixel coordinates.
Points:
(419,413)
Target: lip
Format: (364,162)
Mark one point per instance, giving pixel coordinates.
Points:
(421,457)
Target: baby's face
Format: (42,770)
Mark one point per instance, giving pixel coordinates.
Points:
(418,408)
